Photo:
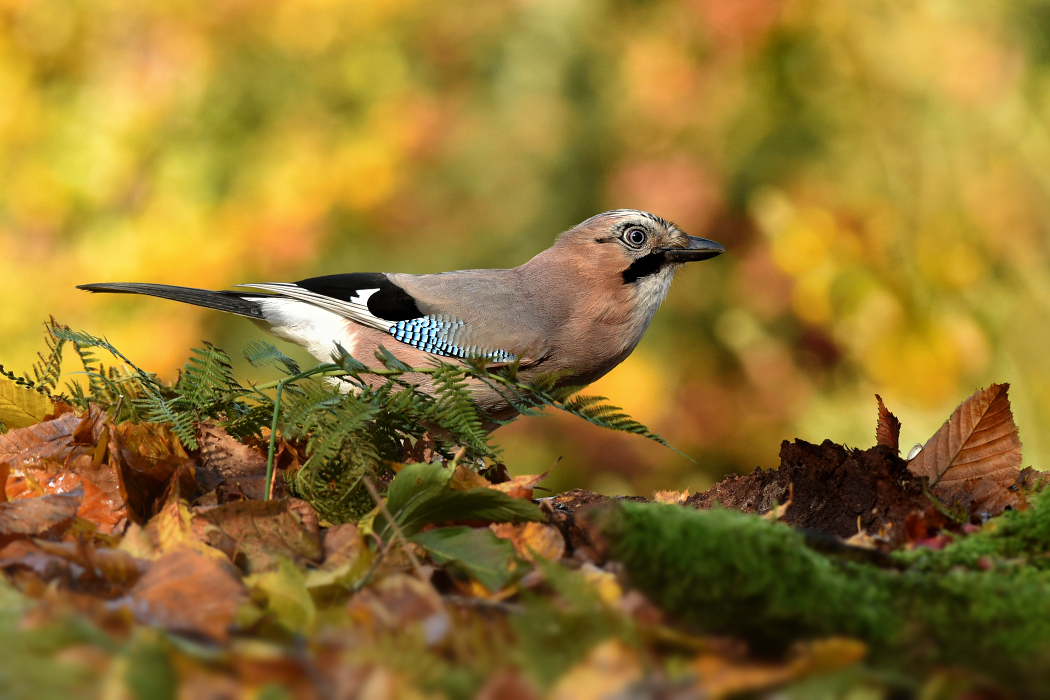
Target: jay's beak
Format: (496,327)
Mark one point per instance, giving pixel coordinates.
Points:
(697,249)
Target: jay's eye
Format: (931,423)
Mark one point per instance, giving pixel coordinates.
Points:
(634,237)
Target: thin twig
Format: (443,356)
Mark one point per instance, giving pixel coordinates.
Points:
(394,526)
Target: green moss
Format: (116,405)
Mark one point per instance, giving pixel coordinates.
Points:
(1016,538)
(731,573)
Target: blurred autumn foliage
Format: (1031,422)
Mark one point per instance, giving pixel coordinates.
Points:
(878,171)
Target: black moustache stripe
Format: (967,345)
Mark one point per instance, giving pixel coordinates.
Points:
(643,267)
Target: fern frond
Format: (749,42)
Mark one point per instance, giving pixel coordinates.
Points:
(25,382)
(155,409)
(48,370)
(596,411)
(207,377)
(261,354)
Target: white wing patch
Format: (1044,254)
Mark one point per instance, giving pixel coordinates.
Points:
(317,322)
(317,330)
(355,309)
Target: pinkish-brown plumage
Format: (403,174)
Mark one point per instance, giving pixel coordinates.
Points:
(579,307)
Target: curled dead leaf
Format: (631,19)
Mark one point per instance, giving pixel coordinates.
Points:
(888,429)
(532,540)
(521,486)
(146,456)
(671,497)
(975,457)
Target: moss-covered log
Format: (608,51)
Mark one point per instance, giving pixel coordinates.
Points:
(731,573)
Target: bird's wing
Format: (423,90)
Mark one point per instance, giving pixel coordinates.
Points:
(449,314)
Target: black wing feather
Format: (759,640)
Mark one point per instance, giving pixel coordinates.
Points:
(390,303)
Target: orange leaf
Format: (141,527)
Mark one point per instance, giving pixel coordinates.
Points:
(671,497)
(520,486)
(465,479)
(96,506)
(888,430)
(532,541)
(975,457)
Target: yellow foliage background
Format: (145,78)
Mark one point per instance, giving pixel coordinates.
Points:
(878,170)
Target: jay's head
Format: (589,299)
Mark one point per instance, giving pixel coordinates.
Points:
(633,247)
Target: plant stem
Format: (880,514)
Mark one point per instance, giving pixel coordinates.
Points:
(395,527)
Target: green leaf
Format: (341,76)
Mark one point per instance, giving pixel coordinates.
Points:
(287,598)
(488,505)
(413,481)
(420,495)
(486,558)
(21,406)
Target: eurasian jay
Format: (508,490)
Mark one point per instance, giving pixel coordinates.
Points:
(579,307)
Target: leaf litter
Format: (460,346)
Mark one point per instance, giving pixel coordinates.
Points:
(457,583)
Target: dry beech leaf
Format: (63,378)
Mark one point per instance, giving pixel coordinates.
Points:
(521,486)
(465,479)
(146,455)
(173,529)
(399,602)
(508,684)
(671,497)
(223,453)
(111,565)
(187,591)
(261,532)
(423,450)
(975,457)
(48,440)
(36,516)
(888,430)
(97,506)
(532,541)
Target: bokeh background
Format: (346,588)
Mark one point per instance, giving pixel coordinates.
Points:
(879,171)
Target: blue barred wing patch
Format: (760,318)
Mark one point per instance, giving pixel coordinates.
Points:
(438,335)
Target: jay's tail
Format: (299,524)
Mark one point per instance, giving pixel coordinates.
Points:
(233,302)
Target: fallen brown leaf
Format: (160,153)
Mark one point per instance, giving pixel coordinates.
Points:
(423,450)
(186,591)
(533,540)
(224,454)
(397,602)
(146,456)
(259,533)
(96,506)
(975,457)
(521,486)
(47,440)
(465,479)
(508,684)
(888,429)
(671,497)
(110,565)
(173,529)
(33,517)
